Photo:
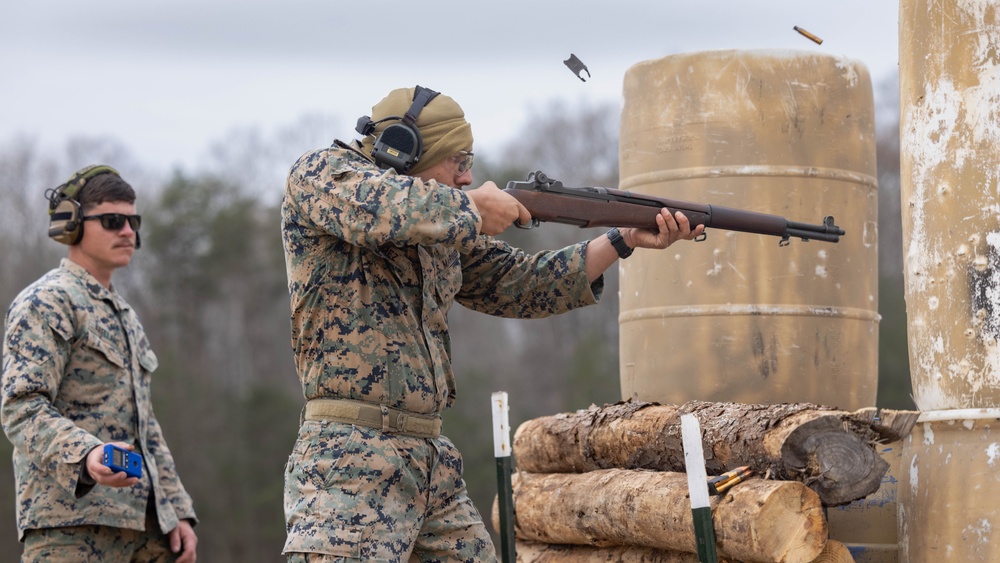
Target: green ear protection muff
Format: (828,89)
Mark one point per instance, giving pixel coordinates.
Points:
(65,222)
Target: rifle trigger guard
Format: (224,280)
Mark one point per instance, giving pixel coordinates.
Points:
(530,225)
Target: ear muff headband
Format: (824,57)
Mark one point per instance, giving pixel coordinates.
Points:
(65,223)
(399,146)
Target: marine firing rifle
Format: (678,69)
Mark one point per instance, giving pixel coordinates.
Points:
(548,200)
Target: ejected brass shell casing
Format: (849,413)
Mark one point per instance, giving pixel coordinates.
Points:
(809,35)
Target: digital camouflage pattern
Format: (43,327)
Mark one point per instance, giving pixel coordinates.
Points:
(76,373)
(375,261)
(366,495)
(72,544)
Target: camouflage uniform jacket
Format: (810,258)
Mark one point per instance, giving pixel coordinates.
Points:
(374,262)
(76,373)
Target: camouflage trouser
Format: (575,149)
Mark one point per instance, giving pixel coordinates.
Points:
(104,544)
(357,494)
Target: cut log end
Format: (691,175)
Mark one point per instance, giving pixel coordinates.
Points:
(839,466)
(790,526)
(835,552)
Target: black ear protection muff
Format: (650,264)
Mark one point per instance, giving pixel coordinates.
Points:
(65,218)
(399,145)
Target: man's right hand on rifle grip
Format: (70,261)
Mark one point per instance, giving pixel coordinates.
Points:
(498,209)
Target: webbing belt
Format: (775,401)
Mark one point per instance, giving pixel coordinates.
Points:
(386,419)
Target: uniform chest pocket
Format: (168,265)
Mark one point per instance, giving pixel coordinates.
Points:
(148,361)
(448,273)
(98,347)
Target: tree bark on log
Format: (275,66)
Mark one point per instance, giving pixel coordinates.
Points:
(829,450)
(758,521)
(534,552)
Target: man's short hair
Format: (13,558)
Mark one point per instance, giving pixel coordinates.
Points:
(105,188)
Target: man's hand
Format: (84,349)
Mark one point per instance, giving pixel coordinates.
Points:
(184,542)
(103,474)
(498,209)
(671,228)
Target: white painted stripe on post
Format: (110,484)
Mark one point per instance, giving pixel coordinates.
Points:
(501,425)
(694,461)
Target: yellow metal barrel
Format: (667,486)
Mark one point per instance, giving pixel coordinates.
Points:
(948,488)
(736,317)
(949,78)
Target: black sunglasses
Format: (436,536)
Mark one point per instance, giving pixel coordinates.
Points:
(116,221)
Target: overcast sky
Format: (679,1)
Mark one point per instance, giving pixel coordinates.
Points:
(169,78)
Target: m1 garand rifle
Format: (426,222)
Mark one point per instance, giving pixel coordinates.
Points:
(548,200)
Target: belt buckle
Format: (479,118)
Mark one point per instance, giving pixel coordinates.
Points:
(386,427)
(393,420)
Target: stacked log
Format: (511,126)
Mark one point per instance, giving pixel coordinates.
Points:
(829,450)
(608,482)
(548,553)
(834,552)
(758,521)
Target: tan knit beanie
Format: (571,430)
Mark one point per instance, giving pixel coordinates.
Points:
(442,125)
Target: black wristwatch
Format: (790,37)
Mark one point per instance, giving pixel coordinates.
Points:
(624,250)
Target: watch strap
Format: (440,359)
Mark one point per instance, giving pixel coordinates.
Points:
(617,241)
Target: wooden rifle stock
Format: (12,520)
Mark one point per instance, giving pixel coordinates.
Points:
(549,201)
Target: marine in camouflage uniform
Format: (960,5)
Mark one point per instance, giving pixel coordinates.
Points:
(375,259)
(77,368)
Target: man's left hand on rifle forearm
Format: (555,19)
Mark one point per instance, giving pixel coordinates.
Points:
(601,253)
(672,228)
